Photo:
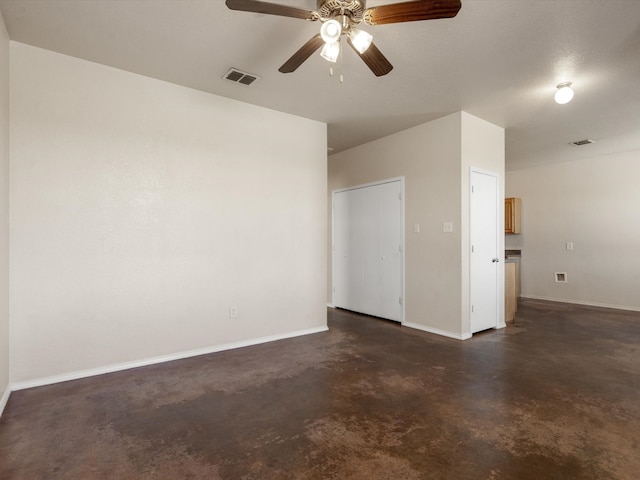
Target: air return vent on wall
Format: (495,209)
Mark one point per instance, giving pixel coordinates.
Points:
(579,143)
(238,76)
(561,277)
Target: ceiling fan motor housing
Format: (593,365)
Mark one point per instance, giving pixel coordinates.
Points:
(350,8)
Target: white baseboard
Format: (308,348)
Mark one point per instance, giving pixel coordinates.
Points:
(331,305)
(161,359)
(437,331)
(580,302)
(4,399)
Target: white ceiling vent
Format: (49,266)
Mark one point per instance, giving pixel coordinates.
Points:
(238,76)
(579,143)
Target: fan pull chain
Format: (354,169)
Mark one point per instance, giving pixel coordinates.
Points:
(341,64)
(341,59)
(341,77)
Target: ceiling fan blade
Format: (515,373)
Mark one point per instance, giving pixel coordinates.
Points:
(411,11)
(268,8)
(301,55)
(374,59)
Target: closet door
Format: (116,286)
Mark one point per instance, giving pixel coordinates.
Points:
(367,250)
(348,262)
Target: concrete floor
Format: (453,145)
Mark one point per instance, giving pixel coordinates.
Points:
(555,396)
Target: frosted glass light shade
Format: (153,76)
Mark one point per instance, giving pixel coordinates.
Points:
(330,51)
(564,93)
(331,31)
(360,39)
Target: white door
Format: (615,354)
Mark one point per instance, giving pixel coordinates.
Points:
(367,250)
(389,204)
(348,236)
(484,259)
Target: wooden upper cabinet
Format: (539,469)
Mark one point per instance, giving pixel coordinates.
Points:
(512,215)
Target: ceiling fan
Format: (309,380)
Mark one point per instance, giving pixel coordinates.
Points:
(341,17)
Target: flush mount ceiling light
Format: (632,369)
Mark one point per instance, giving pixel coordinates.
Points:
(564,93)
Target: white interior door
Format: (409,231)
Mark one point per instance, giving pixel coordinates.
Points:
(484,258)
(367,250)
(389,204)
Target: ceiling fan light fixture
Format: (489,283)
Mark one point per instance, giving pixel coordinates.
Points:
(331,31)
(330,51)
(339,17)
(360,39)
(564,93)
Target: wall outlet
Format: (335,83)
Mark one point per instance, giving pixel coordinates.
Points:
(447,227)
(569,245)
(233,312)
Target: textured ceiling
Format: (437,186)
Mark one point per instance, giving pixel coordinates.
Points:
(498,59)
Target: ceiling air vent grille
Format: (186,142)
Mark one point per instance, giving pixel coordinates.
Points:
(579,143)
(238,76)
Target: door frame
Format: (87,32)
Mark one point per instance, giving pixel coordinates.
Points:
(402,235)
(500,323)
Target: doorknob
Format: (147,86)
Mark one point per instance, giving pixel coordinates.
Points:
(495,260)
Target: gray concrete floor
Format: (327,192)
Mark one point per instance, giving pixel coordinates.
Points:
(555,396)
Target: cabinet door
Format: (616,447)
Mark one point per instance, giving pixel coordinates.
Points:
(508,215)
(511,215)
(510,300)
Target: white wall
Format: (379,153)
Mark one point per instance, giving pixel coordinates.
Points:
(4,215)
(434,158)
(141,211)
(594,203)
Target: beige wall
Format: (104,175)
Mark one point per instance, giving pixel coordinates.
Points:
(482,148)
(142,211)
(434,159)
(593,203)
(4,215)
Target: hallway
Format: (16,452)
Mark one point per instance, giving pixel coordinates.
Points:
(555,396)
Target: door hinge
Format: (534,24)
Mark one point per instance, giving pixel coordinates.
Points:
(473,189)
(400,196)
(471,308)
(400,300)
(400,248)
(472,249)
